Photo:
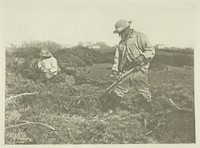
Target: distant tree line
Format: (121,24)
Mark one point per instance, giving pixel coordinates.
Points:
(82,56)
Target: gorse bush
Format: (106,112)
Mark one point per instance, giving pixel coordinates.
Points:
(68,57)
(175,58)
(82,56)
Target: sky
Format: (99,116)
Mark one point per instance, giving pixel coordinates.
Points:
(69,23)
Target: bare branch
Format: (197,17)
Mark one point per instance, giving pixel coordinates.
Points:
(145,124)
(19,95)
(37,123)
(149,132)
(34,123)
(183,109)
(136,116)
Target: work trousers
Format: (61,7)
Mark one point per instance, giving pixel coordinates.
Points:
(137,80)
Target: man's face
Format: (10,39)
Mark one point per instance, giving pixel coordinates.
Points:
(123,34)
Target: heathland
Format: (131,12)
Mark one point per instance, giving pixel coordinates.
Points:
(66,110)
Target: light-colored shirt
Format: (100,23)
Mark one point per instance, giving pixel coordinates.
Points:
(49,64)
(136,45)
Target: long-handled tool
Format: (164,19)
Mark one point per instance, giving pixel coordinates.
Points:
(137,68)
(103,99)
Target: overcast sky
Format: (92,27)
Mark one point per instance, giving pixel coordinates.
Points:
(169,24)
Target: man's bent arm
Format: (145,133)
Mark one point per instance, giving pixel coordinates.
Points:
(148,49)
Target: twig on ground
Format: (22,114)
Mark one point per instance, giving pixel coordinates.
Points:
(52,107)
(145,124)
(19,95)
(149,132)
(159,123)
(28,122)
(182,109)
(37,123)
(145,127)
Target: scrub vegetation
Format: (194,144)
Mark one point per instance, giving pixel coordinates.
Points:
(66,110)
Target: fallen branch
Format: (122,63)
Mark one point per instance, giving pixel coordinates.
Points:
(182,109)
(37,123)
(19,95)
(34,123)
(145,127)
(149,132)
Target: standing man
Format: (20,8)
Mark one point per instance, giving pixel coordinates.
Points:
(133,50)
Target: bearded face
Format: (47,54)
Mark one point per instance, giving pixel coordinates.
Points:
(124,33)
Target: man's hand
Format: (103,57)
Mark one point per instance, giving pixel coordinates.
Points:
(139,60)
(115,74)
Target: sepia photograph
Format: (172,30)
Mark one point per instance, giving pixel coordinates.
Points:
(99,72)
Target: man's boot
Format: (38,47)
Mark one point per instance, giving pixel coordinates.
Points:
(145,104)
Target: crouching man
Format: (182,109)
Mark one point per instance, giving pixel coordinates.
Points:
(47,64)
(133,50)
